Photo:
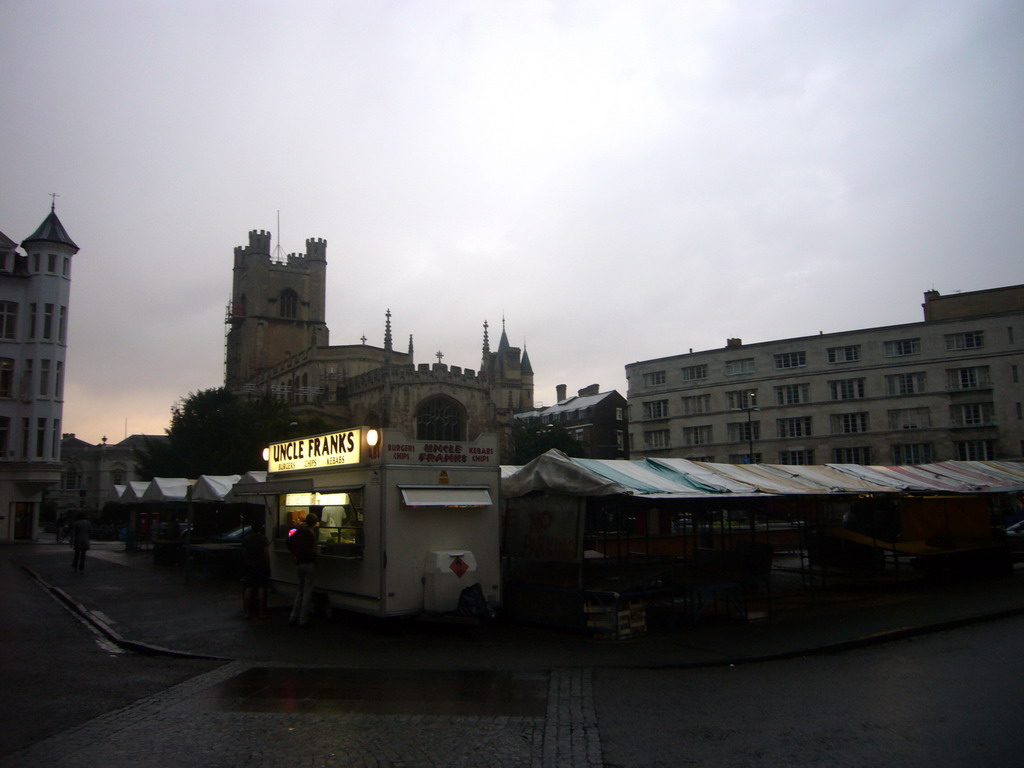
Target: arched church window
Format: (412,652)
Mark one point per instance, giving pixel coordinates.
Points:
(440,418)
(289,304)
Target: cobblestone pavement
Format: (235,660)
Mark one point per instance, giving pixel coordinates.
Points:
(189,725)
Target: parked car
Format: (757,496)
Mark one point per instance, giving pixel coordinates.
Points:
(1015,537)
(234,536)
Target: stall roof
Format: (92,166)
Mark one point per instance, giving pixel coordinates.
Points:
(134,491)
(555,472)
(213,487)
(682,478)
(642,478)
(167,489)
(701,476)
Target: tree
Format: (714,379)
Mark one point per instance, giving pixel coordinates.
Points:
(215,432)
(531,439)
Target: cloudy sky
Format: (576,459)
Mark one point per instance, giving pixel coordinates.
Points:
(618,180)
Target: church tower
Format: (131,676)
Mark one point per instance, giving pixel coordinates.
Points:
(277,307)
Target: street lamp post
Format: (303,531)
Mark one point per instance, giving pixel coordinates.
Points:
(751,407)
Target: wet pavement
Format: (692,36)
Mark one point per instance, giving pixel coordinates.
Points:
(356,691)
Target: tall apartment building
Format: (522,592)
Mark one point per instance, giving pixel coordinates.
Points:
(945,388)
(35,287)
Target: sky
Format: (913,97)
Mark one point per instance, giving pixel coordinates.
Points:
(613,181)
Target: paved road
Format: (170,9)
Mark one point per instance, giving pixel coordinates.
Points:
(536,699)
(948,700)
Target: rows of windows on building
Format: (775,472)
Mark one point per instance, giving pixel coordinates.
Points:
(963,378)
(40,378)
(846,390)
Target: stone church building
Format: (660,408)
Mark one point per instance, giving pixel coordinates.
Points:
(278,343)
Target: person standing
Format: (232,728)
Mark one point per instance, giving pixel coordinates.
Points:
(256,554)
(79,535)
(302,545)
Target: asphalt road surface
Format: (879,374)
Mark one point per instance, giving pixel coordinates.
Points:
(949,700)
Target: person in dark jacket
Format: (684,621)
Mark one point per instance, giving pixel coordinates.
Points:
(79,536)
(256,555)
(302,545)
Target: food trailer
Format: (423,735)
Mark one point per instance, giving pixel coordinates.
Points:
(405,525)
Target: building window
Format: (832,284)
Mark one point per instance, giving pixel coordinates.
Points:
(802,458)
(971,414)
(40,438)
(5,436)
(849,423)
(26,436)
(51,263)
(799,426)
(55,440)
(909,418)
(620,414)
(744,431)
(656,409)
(67,266)
(289,304)
(844,354)
(620,439)
(792,394)
(846,389)
(654,379)
(8,319)
(440,418)
(695,404)
(33,313)
(968,378)
(791,360)
(58,388)
(48,322)
(697,435)
(656,439)
(62,325)
(26,381)
(905,383)
(741,399)
(736,367)
(6,377)
(857,455)
(1014,375)
(118,476)
(44,378)
(745,458)
(694,372)
(912,453)
(965,340)
(902,347)
(975,450)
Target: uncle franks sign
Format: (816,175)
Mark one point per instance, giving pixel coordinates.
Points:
(318,452)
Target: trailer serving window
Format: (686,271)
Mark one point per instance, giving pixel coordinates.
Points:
(340,531)
(444,496)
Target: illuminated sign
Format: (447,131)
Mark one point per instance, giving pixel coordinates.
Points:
(319,452)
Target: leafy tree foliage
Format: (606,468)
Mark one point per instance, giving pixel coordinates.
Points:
(530,440)
(215,432)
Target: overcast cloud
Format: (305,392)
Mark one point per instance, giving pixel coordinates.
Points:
(619,180)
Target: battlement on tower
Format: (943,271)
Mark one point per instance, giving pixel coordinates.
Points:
(316,249)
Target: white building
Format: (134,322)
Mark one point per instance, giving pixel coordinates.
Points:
(945,388)
(35,288)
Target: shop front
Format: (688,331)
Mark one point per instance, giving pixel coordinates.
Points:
(404,525)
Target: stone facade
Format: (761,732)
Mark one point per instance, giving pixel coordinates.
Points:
(945,388)
(278,344)
(35,290)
